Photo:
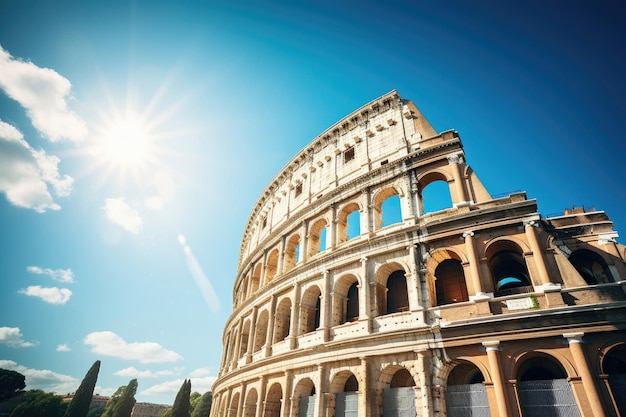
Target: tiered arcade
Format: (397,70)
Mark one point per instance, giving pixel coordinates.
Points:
(353,298)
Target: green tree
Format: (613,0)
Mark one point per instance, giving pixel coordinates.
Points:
(194,400)
(11,383)
(36,403)
(123,401)
(203,408)
(79,406)
(166,413)
(95,412)
(181,402)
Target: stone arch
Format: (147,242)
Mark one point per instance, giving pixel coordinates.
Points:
(465,390)
(614,366)
(317,231)
(273,400)
(256,278)
(245,336)
(342,221)
(346,299)
(234,405)
(379,199)
(271,267)
(303,398)
(451,279)
(304,386)
(396,288)
(507,263)
(292,252)
(569,370)
(342,380)
(282,319)
(386,376)
(260,333)
(591,266)
(426,179)
(310,310)
(250,404)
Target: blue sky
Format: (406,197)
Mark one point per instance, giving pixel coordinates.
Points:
(125,250)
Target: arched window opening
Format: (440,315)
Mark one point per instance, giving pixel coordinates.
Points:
(590,266)
(402,378)
(465,393)
(354,224)
(397,295)
(260,335)
(614,365)
(282,320)
(251,403)
(390,211)
(234,405)
(450,282)
(352,384)
(256,279)
(510,273)
(292,252)
(273,401)
(436,197)
(348,223)
(310,310)
(245,335)
(305,391)
(352,304)
(272,266)
(317,237)
(399,397)
(544,389)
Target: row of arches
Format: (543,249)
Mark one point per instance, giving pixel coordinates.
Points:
(394,290)
(543,386)
(389,206)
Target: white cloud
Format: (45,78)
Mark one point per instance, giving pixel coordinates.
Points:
(120,213)
(61,275)
(25,173)
(43,93)
(110,344)
(170,388)
(132,372)
(200,372)
(12,336)
(52,295)
(63,348)
(43,379)
(203,283)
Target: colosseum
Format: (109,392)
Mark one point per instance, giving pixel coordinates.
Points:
(354,298)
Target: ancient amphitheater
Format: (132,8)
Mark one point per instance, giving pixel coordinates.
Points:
(482,308)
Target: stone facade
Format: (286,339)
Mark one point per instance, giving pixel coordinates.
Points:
(482,308)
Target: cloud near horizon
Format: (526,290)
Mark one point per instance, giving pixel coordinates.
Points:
(43,93)
(43,379)
(12,336)
(120,213)
(132,372)
(26,174)
(52,295)
(200,385)
(110,344)
(61,275)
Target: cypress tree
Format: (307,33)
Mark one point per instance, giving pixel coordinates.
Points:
(181,403)
(79,406)
(123,401)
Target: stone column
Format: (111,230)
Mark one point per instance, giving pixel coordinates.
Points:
(424,372)
(363,286)
(242,397)
(269,338)
(252,334)
(261,400)
(473,262)
(322,385)
(498,380)
(332,229)
(295,317)
(287,392)
(281,255)
(531,235)
(365,409)
(326,300)
(415,293)
(576,349)
(459,186)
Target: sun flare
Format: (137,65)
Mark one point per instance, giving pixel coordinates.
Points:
(126,143)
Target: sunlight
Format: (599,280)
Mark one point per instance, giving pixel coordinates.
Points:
(125,142)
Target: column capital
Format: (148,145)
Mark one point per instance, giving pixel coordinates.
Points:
(363,259)
(531,223)
(467,234)
(455,158)
(492,345)
(574,337)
